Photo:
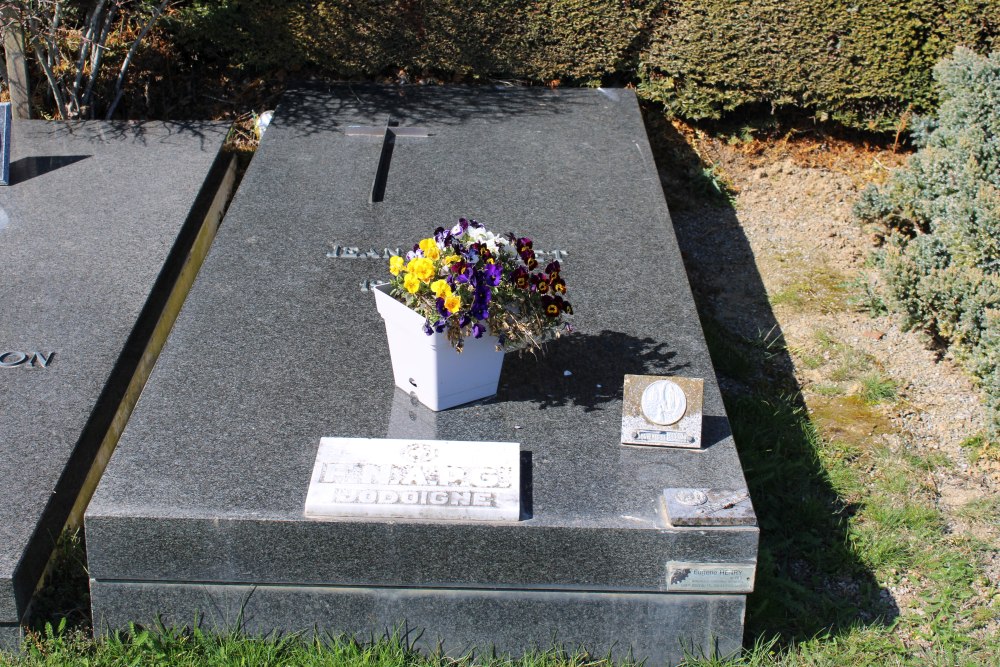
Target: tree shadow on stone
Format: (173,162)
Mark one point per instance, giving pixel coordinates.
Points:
(583,369)
(314,108)
(809,579)
(135,132)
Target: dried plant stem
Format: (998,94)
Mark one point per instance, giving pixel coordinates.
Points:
(119,82)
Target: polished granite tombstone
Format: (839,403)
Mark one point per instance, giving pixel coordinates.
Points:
(100,229)
(280,344)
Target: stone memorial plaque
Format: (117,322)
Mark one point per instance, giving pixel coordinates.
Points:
(5,122)
(416,479)
(662,411)
(708,507)
(710,577)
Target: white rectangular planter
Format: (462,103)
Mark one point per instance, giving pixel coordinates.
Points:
(428,366)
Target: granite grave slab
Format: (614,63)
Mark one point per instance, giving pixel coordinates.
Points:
(102,227)
(279,345)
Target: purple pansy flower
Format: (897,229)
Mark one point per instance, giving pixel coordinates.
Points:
(493,274)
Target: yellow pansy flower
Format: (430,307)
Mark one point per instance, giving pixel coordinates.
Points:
(411,283)
(452,303)
(451,259)
(395,265)
(441,288)
(430,248)
(422,268)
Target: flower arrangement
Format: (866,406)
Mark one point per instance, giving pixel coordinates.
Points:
(468,281)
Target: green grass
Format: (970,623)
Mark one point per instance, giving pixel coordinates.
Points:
(875,389)
(842,518)
(173,647)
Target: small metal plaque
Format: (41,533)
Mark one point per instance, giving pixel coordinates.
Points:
(662,411)
(416,479)
(5,121)
(710,577)
(708,507)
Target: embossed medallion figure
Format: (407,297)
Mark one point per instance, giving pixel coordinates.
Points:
(663,402)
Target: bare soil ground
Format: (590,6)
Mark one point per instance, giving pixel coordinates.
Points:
(789,207)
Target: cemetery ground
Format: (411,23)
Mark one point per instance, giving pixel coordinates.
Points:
(862,444)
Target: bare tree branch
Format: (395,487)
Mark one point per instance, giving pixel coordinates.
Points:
(53,84)
(92,21)
(73,71)
(98,53)
(131,53)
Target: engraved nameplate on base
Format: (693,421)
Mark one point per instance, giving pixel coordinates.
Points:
(662,411)
(416,479)
(710,577)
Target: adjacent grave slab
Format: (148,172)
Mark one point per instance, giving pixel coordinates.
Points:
(101,230)
(280,345)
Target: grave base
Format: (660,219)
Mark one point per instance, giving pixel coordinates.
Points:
(657,626)
(10,637)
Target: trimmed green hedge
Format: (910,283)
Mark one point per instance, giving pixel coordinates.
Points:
(540,40)
(942,217)
(864,63)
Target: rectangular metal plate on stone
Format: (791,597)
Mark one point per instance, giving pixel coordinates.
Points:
(5,121)
(710,577)
(416,479)
(708,507)
(662,411)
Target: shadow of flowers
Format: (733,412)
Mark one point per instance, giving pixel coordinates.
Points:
(583,369)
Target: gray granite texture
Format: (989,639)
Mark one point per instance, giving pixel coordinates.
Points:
(278,346)
(454,622)
(10,637)
(89,227)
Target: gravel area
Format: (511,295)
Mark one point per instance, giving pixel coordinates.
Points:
(786,260)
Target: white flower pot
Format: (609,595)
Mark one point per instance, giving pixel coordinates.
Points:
(429,366)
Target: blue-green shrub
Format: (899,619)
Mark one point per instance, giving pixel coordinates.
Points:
(941,213)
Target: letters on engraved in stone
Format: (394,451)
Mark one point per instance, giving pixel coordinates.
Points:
(418,479)
(662,411)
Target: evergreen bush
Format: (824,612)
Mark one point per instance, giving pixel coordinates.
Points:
(864,63)
(941,213)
